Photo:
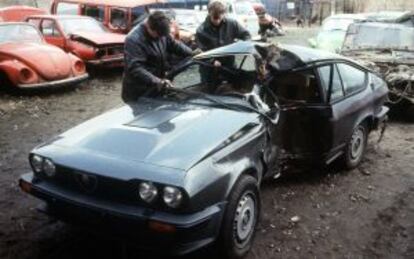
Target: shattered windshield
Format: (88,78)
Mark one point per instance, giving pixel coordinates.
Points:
(379,37)
(19,33)
(232,85)
(73,25)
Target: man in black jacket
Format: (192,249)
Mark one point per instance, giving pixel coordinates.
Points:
(147,48)
(217,31)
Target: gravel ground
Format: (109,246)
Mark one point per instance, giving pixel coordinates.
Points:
(364,213)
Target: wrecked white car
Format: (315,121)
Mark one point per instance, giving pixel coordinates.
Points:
(387,49)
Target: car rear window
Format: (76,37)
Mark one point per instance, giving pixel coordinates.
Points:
(119,18)
(97,12)
(67,8)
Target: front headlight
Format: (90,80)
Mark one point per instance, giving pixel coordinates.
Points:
(37,163)
(172,196)
(147,191)
(49,168)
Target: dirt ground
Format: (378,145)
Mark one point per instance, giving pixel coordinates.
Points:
(364,213)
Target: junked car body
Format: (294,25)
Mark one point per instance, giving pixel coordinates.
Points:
(332,32)
(182,169)
(27,61)
(83,36)
(387,49)
(117,16)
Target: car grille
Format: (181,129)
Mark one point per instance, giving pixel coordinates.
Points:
(110,51)
(106,188)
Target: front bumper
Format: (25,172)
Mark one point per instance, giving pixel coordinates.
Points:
(128,222)
(58,83)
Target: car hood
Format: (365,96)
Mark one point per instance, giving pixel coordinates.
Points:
(104,38)
(158,133)
(48,61)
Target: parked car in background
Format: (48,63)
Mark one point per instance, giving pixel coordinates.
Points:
(27,61)
(18,13)
(387,49)
(117,16)
(83,36)
(244,13)
(149,173)
(332,32)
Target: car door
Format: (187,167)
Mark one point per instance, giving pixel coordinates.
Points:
(349,101)
(303,128)
(52,33)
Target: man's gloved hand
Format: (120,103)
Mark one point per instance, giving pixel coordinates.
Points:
(164,83)
(196,52)
(216,63)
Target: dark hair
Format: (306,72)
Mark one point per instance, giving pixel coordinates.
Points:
(216,8)
(159,22)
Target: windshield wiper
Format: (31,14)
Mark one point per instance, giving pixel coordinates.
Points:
(230,106)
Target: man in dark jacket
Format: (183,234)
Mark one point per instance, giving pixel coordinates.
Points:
(217,31)
(147,48)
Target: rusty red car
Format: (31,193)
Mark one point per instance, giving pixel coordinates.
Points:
(117,16)
(27,61)
(83,36)
(18,13)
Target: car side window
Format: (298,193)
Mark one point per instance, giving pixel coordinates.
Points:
(337,90)
(97,12)
(353,78)
(325,77)
(119,18)
(297,86)
(49,28)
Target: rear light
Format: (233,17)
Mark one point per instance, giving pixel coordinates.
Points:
(26,75)
(79,66)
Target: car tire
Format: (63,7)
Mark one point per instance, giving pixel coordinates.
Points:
(356,146)
(240,218)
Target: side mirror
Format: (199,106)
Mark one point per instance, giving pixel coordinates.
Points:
(312,42)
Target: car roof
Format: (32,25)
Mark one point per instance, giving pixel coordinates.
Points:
(384,25)
(347,16)
(119,3)
(60,16)
(304,54)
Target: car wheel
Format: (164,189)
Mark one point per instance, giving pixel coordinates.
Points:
(356,146)
(240,218)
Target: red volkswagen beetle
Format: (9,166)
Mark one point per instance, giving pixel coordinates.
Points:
(27,61)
